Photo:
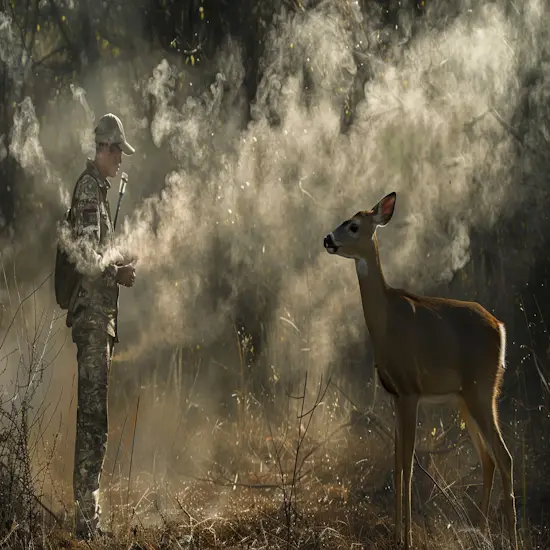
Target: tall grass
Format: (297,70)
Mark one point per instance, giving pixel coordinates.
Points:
(26,453)
(318,474)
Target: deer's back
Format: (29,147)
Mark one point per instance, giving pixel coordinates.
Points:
(434,346)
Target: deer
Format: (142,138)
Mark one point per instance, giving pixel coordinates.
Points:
(429,349)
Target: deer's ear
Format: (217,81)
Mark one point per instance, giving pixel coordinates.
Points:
(383,211)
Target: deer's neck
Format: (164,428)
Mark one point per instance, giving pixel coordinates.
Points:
(374,290)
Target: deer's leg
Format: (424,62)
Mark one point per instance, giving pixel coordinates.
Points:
(486,418)
(505,465)
(407,410)
(487,463)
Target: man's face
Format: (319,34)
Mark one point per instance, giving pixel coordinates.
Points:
(113,159)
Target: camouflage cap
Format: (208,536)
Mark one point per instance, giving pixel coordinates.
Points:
(110,130)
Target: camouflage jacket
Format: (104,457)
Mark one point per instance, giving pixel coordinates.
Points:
(96,303)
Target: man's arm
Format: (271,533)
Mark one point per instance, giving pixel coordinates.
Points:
(86,220)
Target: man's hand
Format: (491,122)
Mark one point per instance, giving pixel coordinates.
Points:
(126,275)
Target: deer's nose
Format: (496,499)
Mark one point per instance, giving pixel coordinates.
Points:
(328,241)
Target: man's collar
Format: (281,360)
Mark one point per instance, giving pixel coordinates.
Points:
(92,168)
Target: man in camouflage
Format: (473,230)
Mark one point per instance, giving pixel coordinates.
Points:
(93,314)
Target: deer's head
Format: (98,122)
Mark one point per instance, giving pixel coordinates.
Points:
(351,238)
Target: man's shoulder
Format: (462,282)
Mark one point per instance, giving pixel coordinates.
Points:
(87,187)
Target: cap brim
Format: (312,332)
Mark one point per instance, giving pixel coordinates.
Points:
(126,148)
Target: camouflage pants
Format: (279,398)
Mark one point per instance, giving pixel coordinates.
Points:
(94,353)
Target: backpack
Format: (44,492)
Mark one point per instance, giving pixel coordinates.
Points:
(66,278)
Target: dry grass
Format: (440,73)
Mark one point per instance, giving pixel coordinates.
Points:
(342,497)
(239,496)
(308,478)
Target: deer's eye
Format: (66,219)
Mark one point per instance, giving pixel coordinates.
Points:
(353,227)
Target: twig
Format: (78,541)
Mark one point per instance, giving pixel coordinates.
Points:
(114,466)
(48,56)
(21,304)
(183,509)
(8,536)
(54,516)
(229,483)
(132,453)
